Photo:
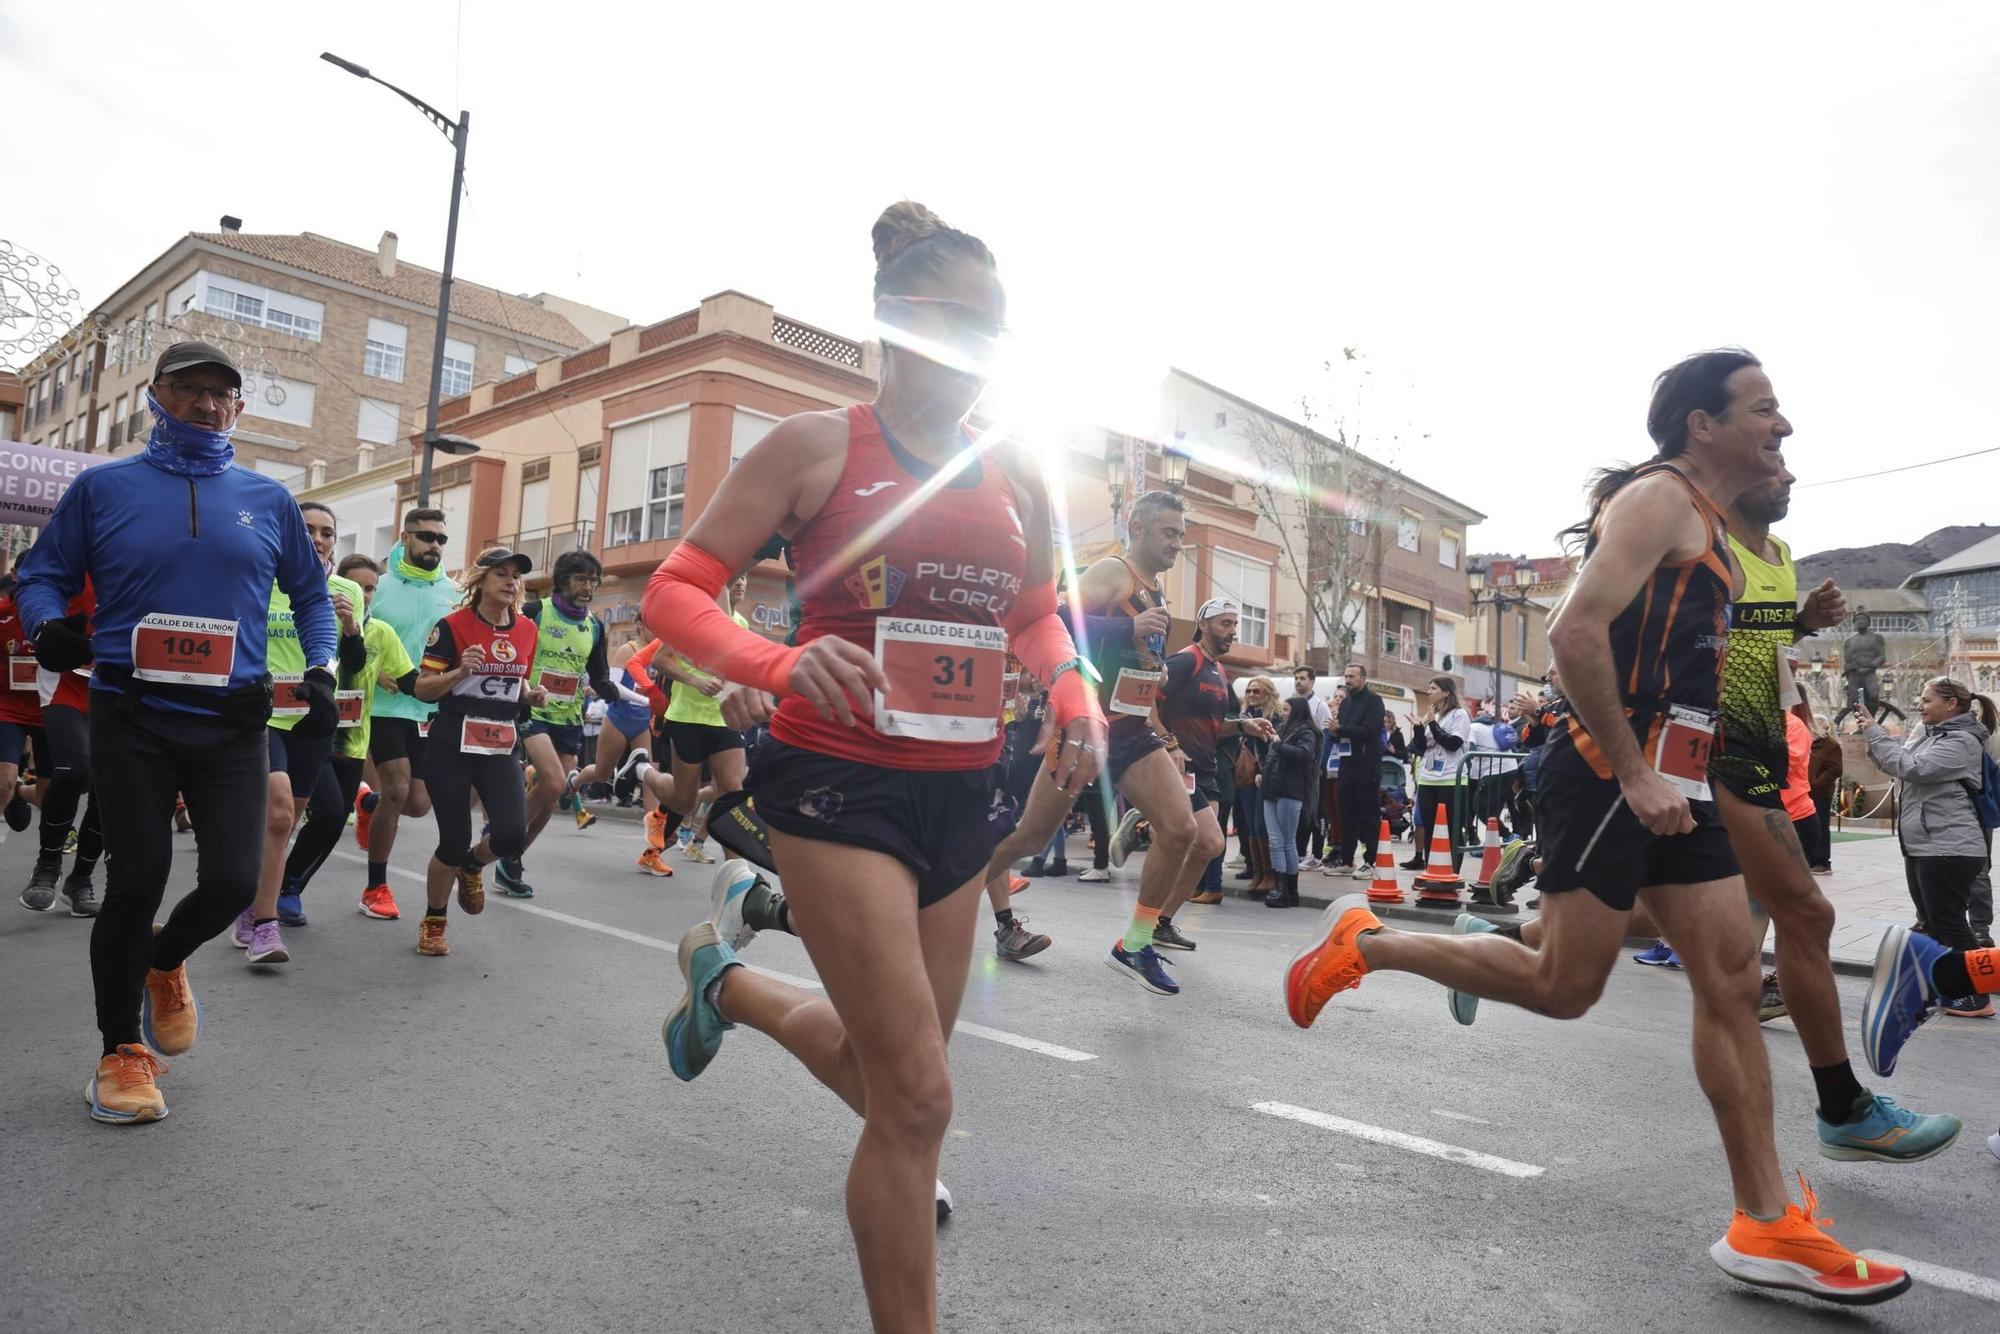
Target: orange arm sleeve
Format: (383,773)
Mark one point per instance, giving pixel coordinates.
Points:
(679,606)
(1042,642)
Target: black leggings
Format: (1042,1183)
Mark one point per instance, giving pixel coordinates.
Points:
(326,820)
(1941,887)
(68,732)
(453,776)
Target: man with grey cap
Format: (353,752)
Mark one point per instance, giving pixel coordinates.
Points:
(181,547)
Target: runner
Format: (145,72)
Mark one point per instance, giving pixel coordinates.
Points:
(63,757)
(20,725)
(475,667)
(698,739)
(414,595)
(1629,815)
(386,666)
(182,549)
(301,753)
(1038,809)
(918,559)
(625,722)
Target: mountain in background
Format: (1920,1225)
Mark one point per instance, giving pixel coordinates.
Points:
(1888,564)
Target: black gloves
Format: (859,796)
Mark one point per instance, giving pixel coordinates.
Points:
(61,645)
(322,716)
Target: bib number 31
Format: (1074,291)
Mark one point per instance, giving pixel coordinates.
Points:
(945,679)
(1681,753)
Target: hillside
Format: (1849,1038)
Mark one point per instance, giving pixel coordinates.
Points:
(1887,564)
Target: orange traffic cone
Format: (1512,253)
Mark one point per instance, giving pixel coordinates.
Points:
(1489,859)
(1386,889)
(1438,886)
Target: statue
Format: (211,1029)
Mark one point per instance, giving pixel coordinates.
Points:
(1861,657)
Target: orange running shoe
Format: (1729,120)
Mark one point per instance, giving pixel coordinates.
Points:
(169,1016)
(656,830)
(1333,962)
(471,890)
(651,863)
(364,819)
(1017,884)
(122,1091)
(378,902)
(1793,1253)
(430,936)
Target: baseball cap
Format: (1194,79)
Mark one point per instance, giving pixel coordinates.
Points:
(502,556)
(186,356)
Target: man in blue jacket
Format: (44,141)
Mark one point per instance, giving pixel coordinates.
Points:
(182,548)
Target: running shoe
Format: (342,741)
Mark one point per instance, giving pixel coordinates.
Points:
(379,903)
(1014,942)
(69,843)
(1793,1253)
(240,930)
(656,830)
(1333,868)
(638,756)
(1145,967)
(1899,998)
(1886,1133)
(1661,955)
(1464,1006)
(651,864)
(1309,863)
(732,884)
(1333,962)
(944,1205)
(569,782)
(123,1090)
(79,895)
(40,895)
(1017,884)
(169,1015)
(364,815)
(584,819)
(1125,836)
(266,945)
(1362,873)
(1771,1001)
(291,912)
(430,937)
(471,890)
(1236,863)
(1167,936)
(1096,875)
(693,1029)
(695,851)
(182,824)
(511,879)
(1969,1007)
(20,814)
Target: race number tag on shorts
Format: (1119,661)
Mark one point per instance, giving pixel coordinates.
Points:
(288,697)
(183,650)
(1134,692)
(423,727)
(560,685)
(21,673)
(349,703)
(1187,779)
(483,736)
(1681,754)
(944,679)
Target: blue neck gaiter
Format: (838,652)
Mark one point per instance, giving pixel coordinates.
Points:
(187,451)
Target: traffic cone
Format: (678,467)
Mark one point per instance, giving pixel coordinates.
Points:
(1386,889)
(1489,859)
(1438,886)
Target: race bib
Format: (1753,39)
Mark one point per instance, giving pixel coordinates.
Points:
(944,679)
(1788,675)
(183,650)
(1187,778)
(560,685)
(1681,753)
(21,673)
(1134,692)
(349,703)
(288,697)
(423,727)
(483,736)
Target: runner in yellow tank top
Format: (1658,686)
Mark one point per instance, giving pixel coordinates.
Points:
(696,738)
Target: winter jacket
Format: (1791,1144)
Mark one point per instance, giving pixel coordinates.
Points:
(1288,765)
(1823,771)
(1936,816)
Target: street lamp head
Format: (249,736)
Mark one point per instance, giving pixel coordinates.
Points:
(453,444)
(358,71)
(1114,462)
(1174,465)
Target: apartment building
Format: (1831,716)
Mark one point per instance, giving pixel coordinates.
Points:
(1513,599)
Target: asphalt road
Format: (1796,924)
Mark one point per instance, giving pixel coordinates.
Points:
(365,1139)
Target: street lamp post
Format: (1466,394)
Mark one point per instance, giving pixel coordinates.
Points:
(1486,592)
(456,134)
(1114,476)
(1174,463)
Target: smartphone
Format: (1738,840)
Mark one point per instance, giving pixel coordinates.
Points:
(1860,702)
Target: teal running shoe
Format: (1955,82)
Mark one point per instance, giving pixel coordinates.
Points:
(693,1029)
(1886,1133)
(1464,1006)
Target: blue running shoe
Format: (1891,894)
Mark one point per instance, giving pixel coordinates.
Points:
(693,1029)
(290,911)
(1145,967)
(1886,1133)
(734,880)
(1899,997)
(1661,955)
(1464,1006)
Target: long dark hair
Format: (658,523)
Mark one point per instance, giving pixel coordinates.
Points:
(1298,716)
(1699,383)
(1450,688)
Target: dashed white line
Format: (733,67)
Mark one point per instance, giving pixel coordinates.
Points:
(1025,1044)
(1460,1116)
(1396,1139)
(1955,1280)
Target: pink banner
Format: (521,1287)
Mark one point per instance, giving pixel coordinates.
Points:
(34,477)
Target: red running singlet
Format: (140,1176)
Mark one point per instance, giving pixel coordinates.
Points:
(926,587)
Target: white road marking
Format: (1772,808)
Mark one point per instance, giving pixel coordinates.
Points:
(1460,1116)
(1956,1280)
(1396,1139)
(1025,1044)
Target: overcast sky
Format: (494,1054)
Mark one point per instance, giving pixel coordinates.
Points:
(1518,220)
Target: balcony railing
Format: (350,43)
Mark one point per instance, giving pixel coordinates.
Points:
(543,545)
(1406,647)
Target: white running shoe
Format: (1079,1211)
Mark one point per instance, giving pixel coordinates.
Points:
(733,881)
(944,1199)
(1096,875)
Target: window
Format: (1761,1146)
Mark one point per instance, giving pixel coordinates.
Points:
(382,357)
(230,304)
(128,345)
(152,320)
(586,494)
(248,304)
(380,422)
(1221,421)
(534,505)
(118,410)
(1448,549)
(663,501)
(103,428)
(1409,530)
(1249,582)
(458,359)
(624,528)
(278,399)
(514,365)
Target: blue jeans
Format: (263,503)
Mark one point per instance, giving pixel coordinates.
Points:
(1281,817)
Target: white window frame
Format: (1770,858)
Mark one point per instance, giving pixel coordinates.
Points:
(1449,541)
(379,410)
(623,527)
(515,365)
(1410,531)
(385,356)
(458,370)
(1253,622)
(666,498)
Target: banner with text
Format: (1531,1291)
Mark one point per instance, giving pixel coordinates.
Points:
(34,477)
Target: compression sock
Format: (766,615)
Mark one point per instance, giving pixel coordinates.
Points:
(369,803)
(378,874)
(1139,935)
(434,912)
(1839,1092)
(672,825)
(1005,917)
(1966,973)
(1512,931)
(765,909)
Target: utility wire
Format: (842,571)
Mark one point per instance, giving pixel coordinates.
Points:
(1907,467)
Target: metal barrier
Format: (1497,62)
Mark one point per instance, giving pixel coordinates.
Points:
(1486,781)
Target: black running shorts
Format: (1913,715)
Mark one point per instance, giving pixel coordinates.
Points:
(1755,776)
(396,739)
(1205,793)
(1129,741)
(939,824)
(1591,840)
(693,743)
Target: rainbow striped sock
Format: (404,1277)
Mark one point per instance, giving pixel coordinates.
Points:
(1140,934)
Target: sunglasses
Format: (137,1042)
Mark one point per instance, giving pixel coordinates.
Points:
(426,535)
